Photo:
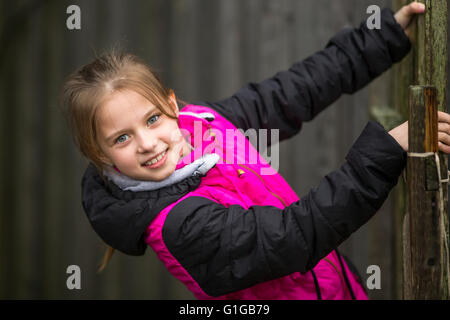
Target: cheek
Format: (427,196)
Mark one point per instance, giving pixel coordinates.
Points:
(121,157)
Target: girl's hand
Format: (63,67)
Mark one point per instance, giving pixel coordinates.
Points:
(400,133)
(405,14)
(444,132)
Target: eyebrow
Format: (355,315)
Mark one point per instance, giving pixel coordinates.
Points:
(112,137)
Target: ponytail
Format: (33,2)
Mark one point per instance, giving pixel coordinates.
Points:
(106,257)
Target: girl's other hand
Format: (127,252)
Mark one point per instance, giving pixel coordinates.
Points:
(444,132)
(400,133)
(405,14)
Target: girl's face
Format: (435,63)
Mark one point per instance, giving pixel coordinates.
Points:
(137,138)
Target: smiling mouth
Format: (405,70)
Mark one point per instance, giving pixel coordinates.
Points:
(155,160)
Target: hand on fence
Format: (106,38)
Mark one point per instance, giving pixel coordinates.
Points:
(400,133)
(406,14)
(444,132)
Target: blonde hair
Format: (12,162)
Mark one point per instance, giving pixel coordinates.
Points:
(86,89)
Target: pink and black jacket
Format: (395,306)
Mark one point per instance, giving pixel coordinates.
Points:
(239,231)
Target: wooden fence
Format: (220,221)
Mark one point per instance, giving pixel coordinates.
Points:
(204,50)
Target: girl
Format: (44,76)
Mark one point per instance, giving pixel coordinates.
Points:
(217,215)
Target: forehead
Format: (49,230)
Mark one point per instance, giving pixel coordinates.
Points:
(121,109)
(124,100)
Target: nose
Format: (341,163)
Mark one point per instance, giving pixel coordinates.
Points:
(146,142)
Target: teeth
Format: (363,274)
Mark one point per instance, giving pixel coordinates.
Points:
(155,160)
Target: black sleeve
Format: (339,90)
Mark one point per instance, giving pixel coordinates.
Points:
(351,59)
(229,249)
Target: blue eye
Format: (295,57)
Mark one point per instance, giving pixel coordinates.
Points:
(153,119)
(122,138)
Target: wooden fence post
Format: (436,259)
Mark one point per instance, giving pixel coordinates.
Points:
(426,271)
(426,65)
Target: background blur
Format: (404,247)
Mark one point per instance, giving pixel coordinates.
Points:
(204,50)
